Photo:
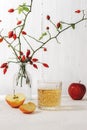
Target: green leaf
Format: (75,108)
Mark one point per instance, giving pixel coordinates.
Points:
(25,8)
(73,26)
(20,9)
(42,35)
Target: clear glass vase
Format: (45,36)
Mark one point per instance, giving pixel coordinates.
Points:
(22,82)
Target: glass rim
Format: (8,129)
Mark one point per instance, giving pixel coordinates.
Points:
(49,81)
(49,84)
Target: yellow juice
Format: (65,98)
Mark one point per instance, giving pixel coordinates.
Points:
(49,97)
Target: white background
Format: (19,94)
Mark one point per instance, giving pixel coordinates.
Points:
(67,61)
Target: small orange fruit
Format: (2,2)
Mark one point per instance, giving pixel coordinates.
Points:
(28,108)
(15,100)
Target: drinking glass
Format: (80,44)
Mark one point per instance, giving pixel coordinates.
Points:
(49,95)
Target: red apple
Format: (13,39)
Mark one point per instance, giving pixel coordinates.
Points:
(77,91)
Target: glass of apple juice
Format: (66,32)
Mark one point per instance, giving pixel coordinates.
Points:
(49,95)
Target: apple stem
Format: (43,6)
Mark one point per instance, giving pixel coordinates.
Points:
(80,81)
(14,96)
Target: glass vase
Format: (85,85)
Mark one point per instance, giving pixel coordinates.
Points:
(22,82)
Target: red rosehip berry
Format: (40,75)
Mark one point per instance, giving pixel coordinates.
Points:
(23,32)
(48,17)
(30,62)
(35,66)
(58,25)
(45,65)
(45,49)
(10,34)
(4,65)
(14,36)
(11,10)
(23,58)
(1,39)
(19,22)
(27,53)
(77,11)
(34,59)
(4,70)
(47,28)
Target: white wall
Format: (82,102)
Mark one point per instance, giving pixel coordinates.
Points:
(67,60)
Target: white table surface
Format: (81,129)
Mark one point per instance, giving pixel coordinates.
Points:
(71,116)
